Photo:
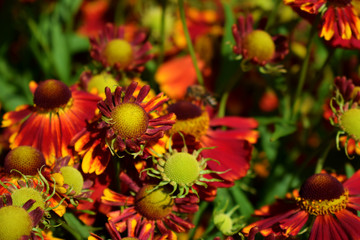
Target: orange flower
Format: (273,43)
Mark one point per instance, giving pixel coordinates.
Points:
(176,75)
(58,113)
(339,18)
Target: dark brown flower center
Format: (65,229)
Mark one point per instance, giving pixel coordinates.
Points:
(322,194)
(340,3)
(51,94)
(184,110)
(153,204)
(321,187)
(25,159)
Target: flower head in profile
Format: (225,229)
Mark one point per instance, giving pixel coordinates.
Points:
(332,204)
(58,113)
(153,211)
(113,48)
(257,45)
(232,146)
(19,221)
(345,113)
(68,181)
(339,18)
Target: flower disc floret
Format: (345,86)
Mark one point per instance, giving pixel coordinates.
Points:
(73,178)
(154,203)
(51,94)
(22,195)
(15,222)
(349,121)
(182,168)
(118,51)
(322,194)
(259,45)
(129,120)
(24,159)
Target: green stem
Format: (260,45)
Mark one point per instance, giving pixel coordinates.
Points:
(222,104)
(273,13)
(197,217)
(321,160)
(304,69)
(232,83)
(162,32)
(189,43)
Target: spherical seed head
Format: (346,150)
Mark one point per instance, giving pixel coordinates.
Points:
(260,45)
(130,120)
(184,110)
(182,168)
(22,195)
(118,51)
(25,159)
(349,121)
(321,186)
(15,222)
(154,205)
(73,177)
(51,94)
(100,81)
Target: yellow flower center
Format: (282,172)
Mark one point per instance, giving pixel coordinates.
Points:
(190,119)
(25,159)
(73,178)
(349,122)
(259,45)
(129,120)
(15,222)
(322,194)
(119,51)
(102,80)
(22,195)
(153,205)
(51,94)
(182,168)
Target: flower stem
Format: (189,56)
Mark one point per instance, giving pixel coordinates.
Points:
(189,43)
(304,69)
(197,217)
(162,32)
(321,160)
(273,13)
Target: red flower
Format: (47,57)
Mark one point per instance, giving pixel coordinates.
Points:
(113,48)
(58,113)
(332,203)
(257,45)
(148,210)
(128,123)
(232,146)
(339,19)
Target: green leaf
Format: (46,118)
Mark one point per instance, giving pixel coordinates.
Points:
(77,43)
(282,130)
(349,170)
(242,200)
(61,55)
(76,226)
